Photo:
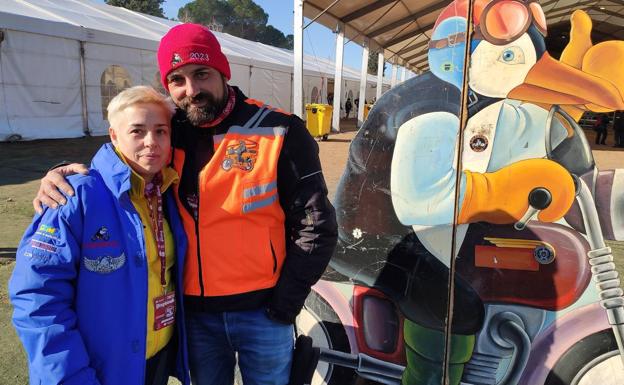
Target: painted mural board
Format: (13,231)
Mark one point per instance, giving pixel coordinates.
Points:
(536,299)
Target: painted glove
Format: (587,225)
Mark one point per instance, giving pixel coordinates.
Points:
(502,196)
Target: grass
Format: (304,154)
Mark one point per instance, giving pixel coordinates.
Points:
(13,366)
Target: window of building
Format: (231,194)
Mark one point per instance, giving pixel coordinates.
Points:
(114,80)
(315,95)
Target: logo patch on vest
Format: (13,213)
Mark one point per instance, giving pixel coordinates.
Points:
(105,264)
(241,155)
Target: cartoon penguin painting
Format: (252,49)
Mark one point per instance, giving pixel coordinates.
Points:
(396,199)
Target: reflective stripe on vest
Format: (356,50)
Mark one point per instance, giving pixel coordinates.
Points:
(241,223)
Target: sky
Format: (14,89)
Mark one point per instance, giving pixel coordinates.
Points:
(317,39)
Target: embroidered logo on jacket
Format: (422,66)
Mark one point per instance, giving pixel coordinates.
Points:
(241,155)
(42,246)
(105,264)
(48,232)
(47,229)
(101,235)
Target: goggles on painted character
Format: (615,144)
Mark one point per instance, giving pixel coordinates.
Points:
(501,22)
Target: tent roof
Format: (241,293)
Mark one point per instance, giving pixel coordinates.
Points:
(89,21)
(402,28)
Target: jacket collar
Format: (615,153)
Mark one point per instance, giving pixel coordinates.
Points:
(120,178)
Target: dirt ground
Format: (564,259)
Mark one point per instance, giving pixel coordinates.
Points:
(24,163)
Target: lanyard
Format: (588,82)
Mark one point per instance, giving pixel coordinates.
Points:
(152,190)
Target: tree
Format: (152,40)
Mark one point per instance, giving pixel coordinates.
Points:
(373,63)
(151,7)
(273,36)
(242,18)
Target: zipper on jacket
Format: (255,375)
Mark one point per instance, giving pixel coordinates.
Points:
(199,262)
(274,257)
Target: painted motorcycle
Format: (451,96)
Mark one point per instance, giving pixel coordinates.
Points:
(531,213)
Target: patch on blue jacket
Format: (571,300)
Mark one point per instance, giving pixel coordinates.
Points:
(47,231)
(104,264)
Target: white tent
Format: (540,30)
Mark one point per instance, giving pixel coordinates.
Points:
(61,61)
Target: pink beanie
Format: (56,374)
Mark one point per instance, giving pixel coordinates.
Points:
(190,44)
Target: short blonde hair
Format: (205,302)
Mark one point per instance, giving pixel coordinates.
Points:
(137,95)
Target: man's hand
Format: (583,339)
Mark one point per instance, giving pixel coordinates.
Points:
(54,181)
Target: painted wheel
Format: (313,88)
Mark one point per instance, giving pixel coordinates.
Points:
(319,321)
(593,360)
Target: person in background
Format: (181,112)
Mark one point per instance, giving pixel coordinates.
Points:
(254,205)
(96,286)
(348,107)
(618,128)
(602,121)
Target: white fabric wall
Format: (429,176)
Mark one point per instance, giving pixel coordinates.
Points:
(309,82)
(40,83)
(271,87)
(150,75)
(97,59)
(5,129)
(40,86)
(240,77)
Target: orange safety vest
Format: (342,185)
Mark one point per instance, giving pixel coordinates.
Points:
(238,244)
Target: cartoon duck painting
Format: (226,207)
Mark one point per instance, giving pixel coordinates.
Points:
(395,202)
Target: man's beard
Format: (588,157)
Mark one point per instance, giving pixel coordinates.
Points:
(209,112)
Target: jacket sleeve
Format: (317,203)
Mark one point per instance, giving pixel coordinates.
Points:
(42,291)
(311,230)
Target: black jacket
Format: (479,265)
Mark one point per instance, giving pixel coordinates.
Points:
(310,219)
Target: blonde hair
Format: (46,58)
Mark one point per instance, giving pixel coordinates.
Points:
(137,95)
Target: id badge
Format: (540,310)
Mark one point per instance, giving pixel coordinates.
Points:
(164,310)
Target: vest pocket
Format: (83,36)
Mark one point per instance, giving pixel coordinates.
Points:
(278,247)
(260,261)
(274,257)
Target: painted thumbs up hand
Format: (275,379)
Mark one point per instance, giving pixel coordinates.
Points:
(603,61)
(501,197)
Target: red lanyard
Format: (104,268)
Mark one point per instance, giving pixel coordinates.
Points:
(152,189)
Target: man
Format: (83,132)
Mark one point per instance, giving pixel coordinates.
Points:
(602,121)
(618,128)
(348,107)
(254,206)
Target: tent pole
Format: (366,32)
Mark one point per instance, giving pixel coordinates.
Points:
(338,77)
(83,91)
(380,65)
(298,59)
(393,79)
(363,81)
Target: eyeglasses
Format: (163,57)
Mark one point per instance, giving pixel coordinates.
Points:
(503,21)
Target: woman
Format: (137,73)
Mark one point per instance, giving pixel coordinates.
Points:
(94,286)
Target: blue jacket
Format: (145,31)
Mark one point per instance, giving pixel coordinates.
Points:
(79,288)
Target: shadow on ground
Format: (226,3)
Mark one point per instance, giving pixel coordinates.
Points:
(26,161)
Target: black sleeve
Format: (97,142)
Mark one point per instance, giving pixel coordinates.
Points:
(311,229)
